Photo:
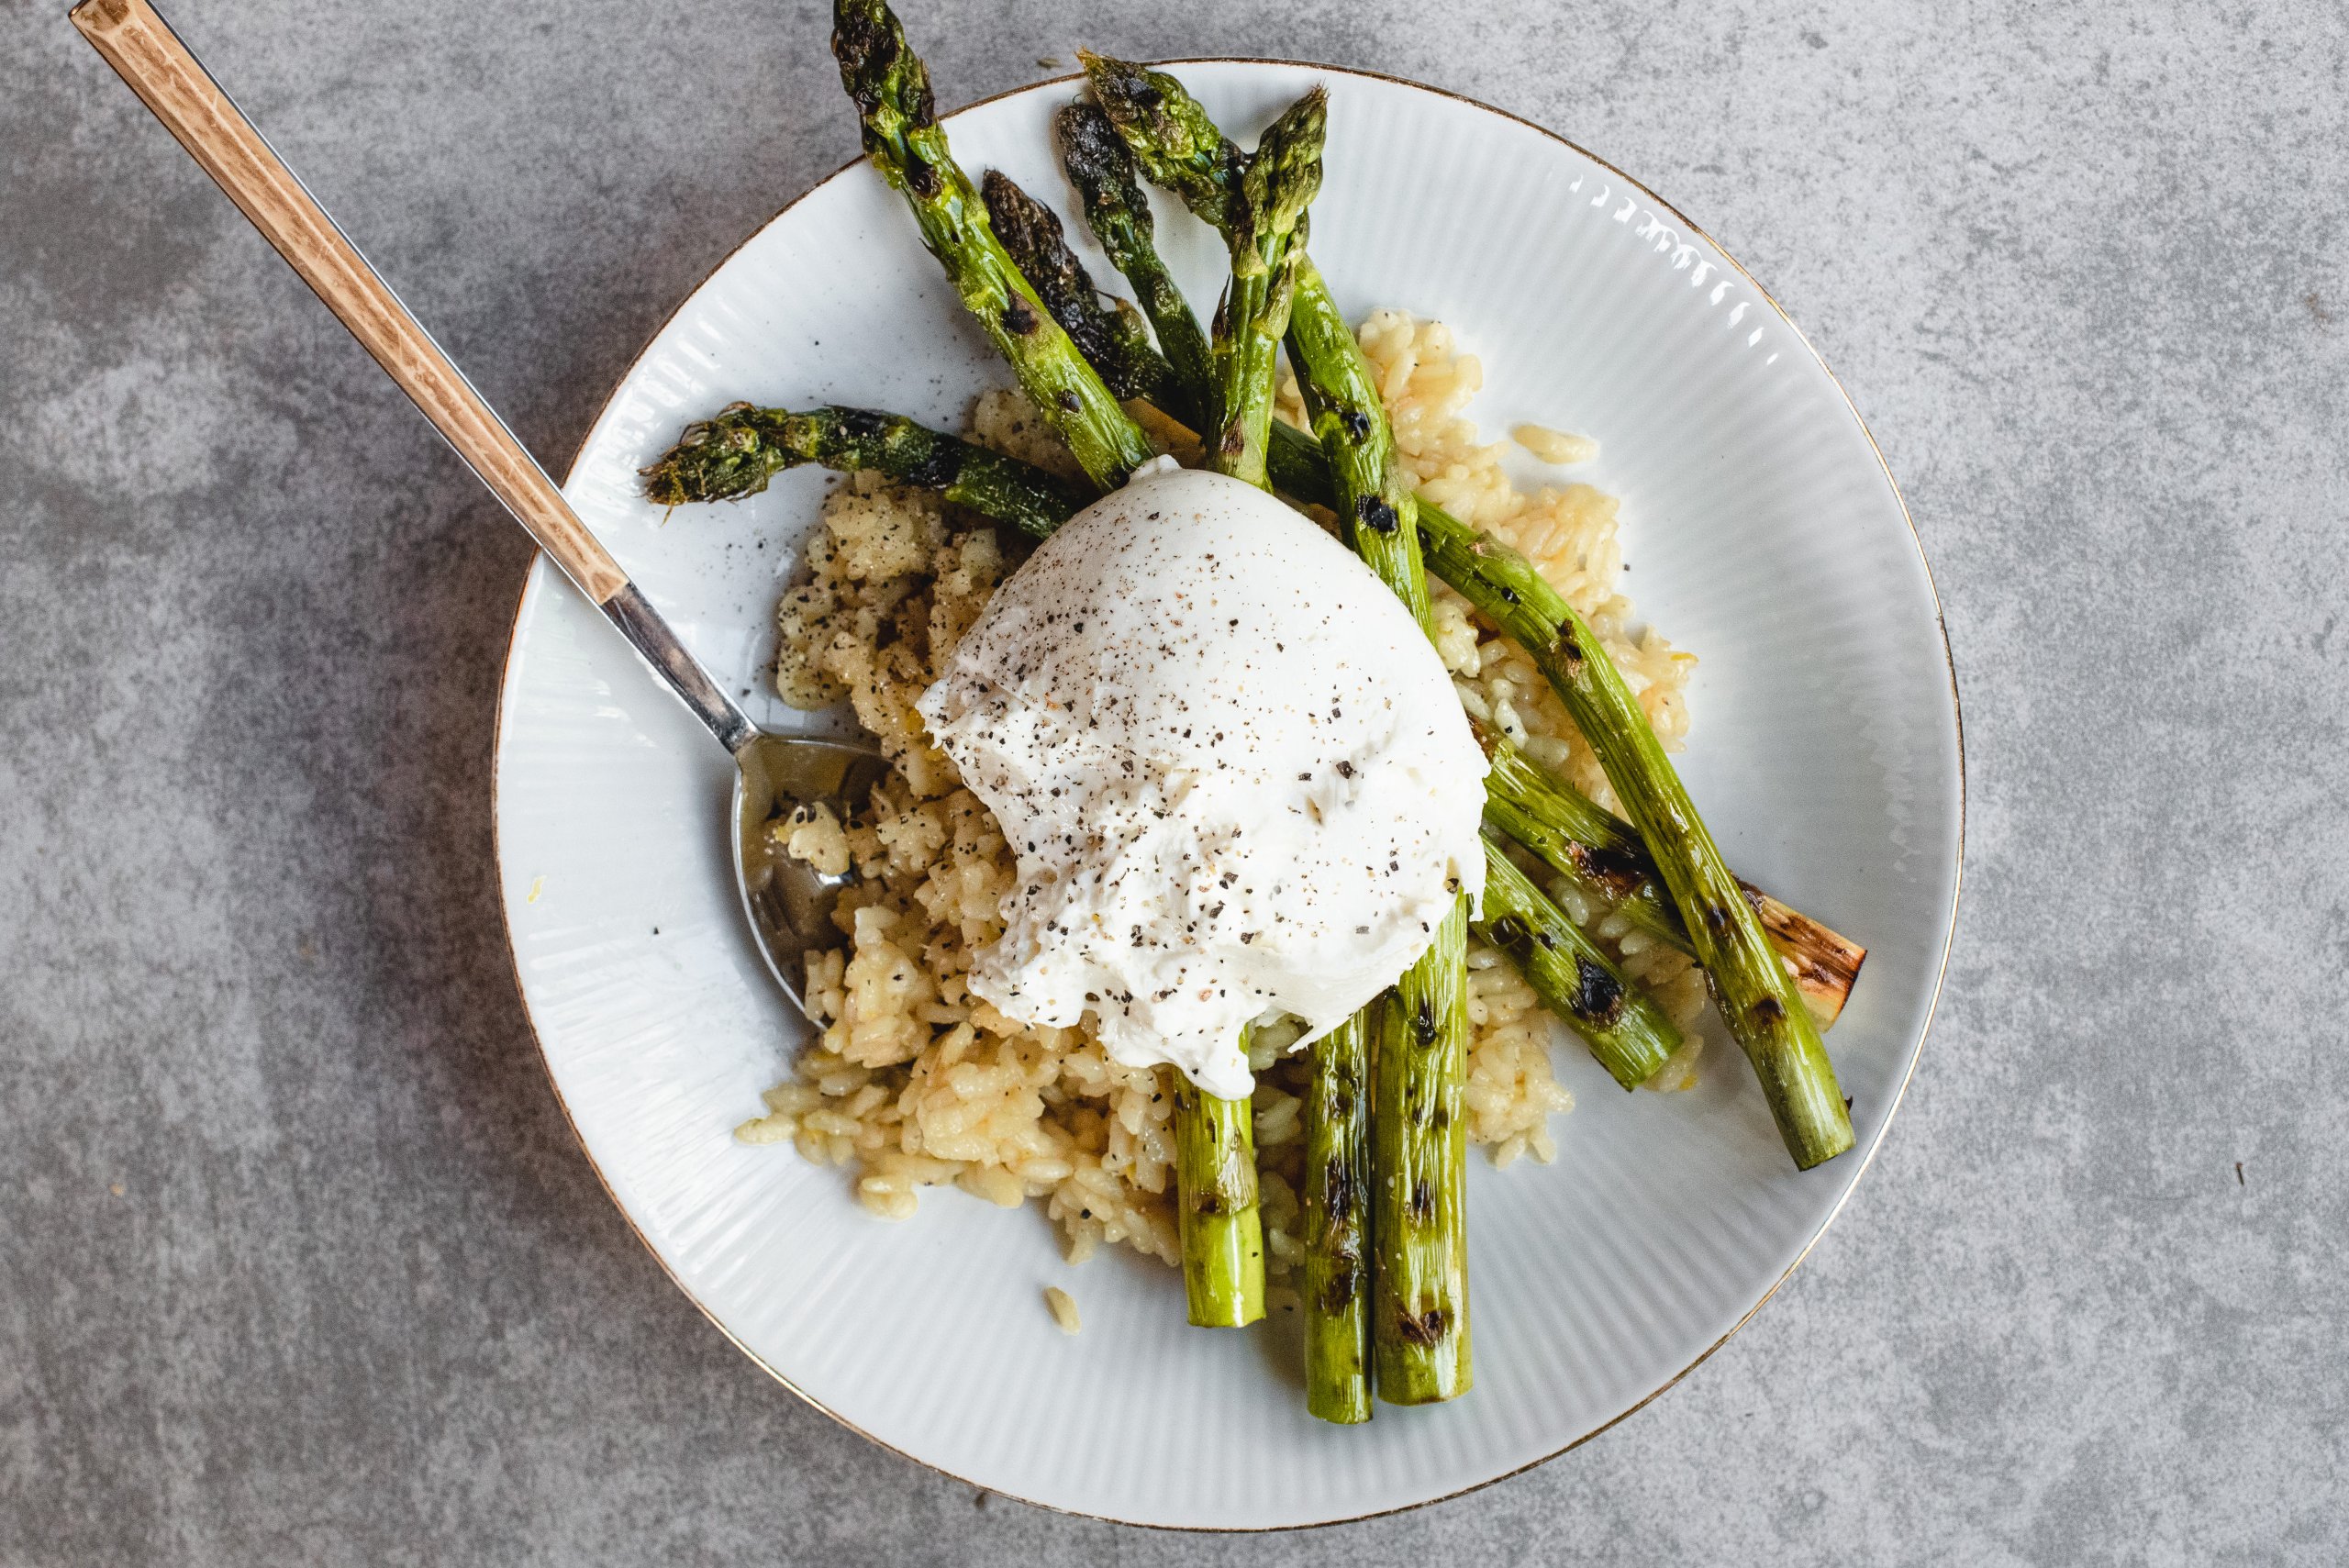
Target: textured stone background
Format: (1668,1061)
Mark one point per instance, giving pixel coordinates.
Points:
(299,1261)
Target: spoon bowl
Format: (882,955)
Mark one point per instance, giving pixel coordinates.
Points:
(787,901)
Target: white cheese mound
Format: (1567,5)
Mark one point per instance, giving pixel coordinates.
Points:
(1232,769)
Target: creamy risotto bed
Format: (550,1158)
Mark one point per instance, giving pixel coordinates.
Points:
(917,1082)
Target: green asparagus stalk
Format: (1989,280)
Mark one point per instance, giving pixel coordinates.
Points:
(1420,1322)
(1266,239)
(1419,1341)
(891,88)
(1294,459)
(1421,1325)
(1367,485)
(1222,1227)
(1102,169)
(738,451)
(1337,1202)
(1598,853)
(1621,1023)
(1223,1242)
(1758,997)
(1340,1203)
(1112,337)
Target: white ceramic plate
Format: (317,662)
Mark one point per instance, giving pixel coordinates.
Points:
(1764,534)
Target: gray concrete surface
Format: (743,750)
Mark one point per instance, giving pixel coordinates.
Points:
(299,1263)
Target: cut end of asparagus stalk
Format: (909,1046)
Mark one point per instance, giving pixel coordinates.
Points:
(1222,1227)
(1337,1224)
(1826,963)
(1419,1343)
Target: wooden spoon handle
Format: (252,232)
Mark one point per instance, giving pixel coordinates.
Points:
(163,70)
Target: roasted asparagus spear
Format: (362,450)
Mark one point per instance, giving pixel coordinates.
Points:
(1622,1024)
(1216,1208)
(1223,1239)
(737,452)
(1267,241)
(1337,1204)
(1102,170)
(1112,336)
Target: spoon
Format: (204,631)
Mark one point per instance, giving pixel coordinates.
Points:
(787,903)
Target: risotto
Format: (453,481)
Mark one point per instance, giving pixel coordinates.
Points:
(915,1082)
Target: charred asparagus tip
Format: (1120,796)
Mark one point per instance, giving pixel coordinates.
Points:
(736,454)
(720,459)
